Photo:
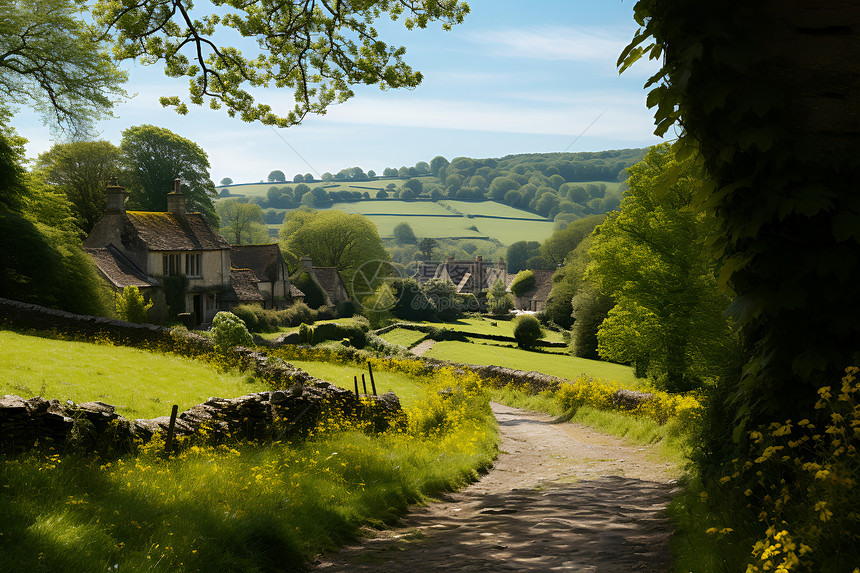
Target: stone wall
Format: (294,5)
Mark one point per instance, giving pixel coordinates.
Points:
(272,415)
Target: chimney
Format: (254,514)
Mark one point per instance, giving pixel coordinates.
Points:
(307,263)
(115,196)
(176,200)
(479,259)
(502,265)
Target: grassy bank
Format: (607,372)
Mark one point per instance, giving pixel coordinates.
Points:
(239,507)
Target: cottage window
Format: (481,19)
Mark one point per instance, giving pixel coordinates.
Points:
(172,265)
(193,267)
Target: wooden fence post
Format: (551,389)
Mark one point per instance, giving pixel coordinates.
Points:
(372,383)
(363,383)
(355,379)
(168,445)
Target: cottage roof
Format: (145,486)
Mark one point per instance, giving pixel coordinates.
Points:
(172,232)
(330,281)
(296,292)
(244,287)
(262,259)
(117,268)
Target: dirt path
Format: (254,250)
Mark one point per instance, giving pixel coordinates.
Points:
(561,497)
(422,347)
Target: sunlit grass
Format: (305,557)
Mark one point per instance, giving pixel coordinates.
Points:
(238,507)
(402,336)
(141,384)
(560,365)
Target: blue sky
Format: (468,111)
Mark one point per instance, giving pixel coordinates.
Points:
(516,77)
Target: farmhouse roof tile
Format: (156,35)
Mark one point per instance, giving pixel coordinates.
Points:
(262,259)
(244,287)
(117,268)
(172,232)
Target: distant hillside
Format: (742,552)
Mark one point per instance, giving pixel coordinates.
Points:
(561,187)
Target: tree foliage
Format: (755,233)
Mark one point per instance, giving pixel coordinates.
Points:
(242,223)
(82,170)
(53,61)
(131,306)
(527,331)
(349,243)
(523,283)
(781,184)
(317,50)
(404,235)
(277,176)
(499,301)
(229,331)
(153,158)
(650,258)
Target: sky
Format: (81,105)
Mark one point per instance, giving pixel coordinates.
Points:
(515,77)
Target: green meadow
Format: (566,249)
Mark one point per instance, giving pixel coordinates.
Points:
(139,383)
(561,365)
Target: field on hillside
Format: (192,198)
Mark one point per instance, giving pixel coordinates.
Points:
(429,219)
(260,189)
(140,384)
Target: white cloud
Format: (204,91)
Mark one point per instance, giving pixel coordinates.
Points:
(554,43)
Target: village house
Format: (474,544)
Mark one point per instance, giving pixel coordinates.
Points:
(329,279)
(179,261)
(470,277)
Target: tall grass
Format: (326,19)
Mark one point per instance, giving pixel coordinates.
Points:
(238,507)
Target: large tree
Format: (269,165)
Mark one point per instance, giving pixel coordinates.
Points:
(316,49)
(52,60)
(333,238)
(650,258)
(82,170)
(153,158)
(242,223)
(766,92)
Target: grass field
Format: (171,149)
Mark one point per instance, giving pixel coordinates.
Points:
(486,326)
(402,336)
(416,214)
(561,365)
(260,189)
(140,384)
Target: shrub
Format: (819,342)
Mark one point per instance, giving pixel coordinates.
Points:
(229,331)
(523,283)
(131,306)
(527,331)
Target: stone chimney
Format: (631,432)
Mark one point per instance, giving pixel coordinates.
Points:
(116,196)
(479,259)
(176,200)
(502,265)
(307,263)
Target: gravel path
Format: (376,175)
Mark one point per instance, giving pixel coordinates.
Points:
(560,497)
(422,347)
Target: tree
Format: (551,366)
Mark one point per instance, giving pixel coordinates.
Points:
(527,331)
(350,243)
(500,186)
(436,164)
(404,235)
(298,178)
(556,248)
(226,181)
(371,174)
(318,50)
(426,246)
(443,294)
(153,157)
(131,306)
(382,194)
(519,254)
(82,170)
(276,176)
(650,258)
(309,178)
(499,301)
(242,223)
(415,185)
(53,61)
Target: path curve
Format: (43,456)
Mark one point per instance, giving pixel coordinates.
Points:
(560,497)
